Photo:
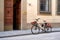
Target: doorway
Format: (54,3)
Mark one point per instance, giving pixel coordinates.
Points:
(17,15)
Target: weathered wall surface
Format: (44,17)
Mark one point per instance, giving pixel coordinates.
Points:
(24,14)
(33,11)
(1,15)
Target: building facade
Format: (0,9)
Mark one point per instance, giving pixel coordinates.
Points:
(17,14)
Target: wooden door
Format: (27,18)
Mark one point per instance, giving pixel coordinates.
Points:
(8,12)
(12,14)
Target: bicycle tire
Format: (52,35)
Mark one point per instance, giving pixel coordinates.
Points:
(34,28)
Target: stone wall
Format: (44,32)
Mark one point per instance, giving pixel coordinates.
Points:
(1,15)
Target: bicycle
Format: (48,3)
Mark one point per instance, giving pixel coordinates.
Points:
(36,28)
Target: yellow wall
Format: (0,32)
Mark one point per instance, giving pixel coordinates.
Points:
(33,10)
(1,15)
(23,14)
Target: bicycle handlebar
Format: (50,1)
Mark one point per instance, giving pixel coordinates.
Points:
(37,19)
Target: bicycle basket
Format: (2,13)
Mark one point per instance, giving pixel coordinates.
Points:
(34,23)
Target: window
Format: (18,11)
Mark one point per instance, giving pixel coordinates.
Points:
(44,5)
(58,7)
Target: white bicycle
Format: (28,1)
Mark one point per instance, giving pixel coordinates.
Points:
(36,28)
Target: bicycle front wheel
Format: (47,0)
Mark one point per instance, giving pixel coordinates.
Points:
(35,29)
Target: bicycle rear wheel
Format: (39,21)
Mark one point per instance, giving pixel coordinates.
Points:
(35,29)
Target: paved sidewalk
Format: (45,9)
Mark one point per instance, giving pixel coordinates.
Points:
(14,33)
(20,32)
